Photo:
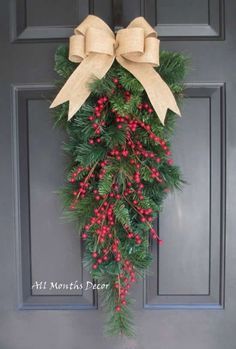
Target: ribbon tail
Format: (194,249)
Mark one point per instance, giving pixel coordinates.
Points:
(76,89)
(159,93)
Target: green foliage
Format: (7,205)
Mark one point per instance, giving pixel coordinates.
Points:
(85,154)
(63,66)
(114,137)
(122,213)
(105,184)
(109,178)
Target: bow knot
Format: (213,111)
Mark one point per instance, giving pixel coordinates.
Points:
(95,47)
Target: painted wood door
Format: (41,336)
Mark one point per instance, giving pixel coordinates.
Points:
(189,297)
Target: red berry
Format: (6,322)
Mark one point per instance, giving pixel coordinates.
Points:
(95,266)
(117,308)
(170,161)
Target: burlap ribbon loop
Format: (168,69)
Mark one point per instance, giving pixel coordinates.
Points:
(95,47)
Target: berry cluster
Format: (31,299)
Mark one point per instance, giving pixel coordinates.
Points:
(102,221)
(74,174)
(146,107)
(96,119)
(126,94)
(123,284)
(118,154)
(100,106)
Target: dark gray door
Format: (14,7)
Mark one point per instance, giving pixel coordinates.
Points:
(189,298)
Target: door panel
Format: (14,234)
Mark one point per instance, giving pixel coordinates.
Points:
(188,298)
(45,254)
(189,268)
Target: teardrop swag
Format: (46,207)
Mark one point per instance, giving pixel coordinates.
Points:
(121,170)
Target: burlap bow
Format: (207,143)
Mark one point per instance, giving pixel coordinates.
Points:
(95,47)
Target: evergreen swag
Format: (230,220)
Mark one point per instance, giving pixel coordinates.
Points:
(119,175)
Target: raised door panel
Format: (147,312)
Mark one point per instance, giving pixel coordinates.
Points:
(188,270)
(201,20)
(47,259)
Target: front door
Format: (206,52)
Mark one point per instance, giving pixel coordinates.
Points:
(188,300)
